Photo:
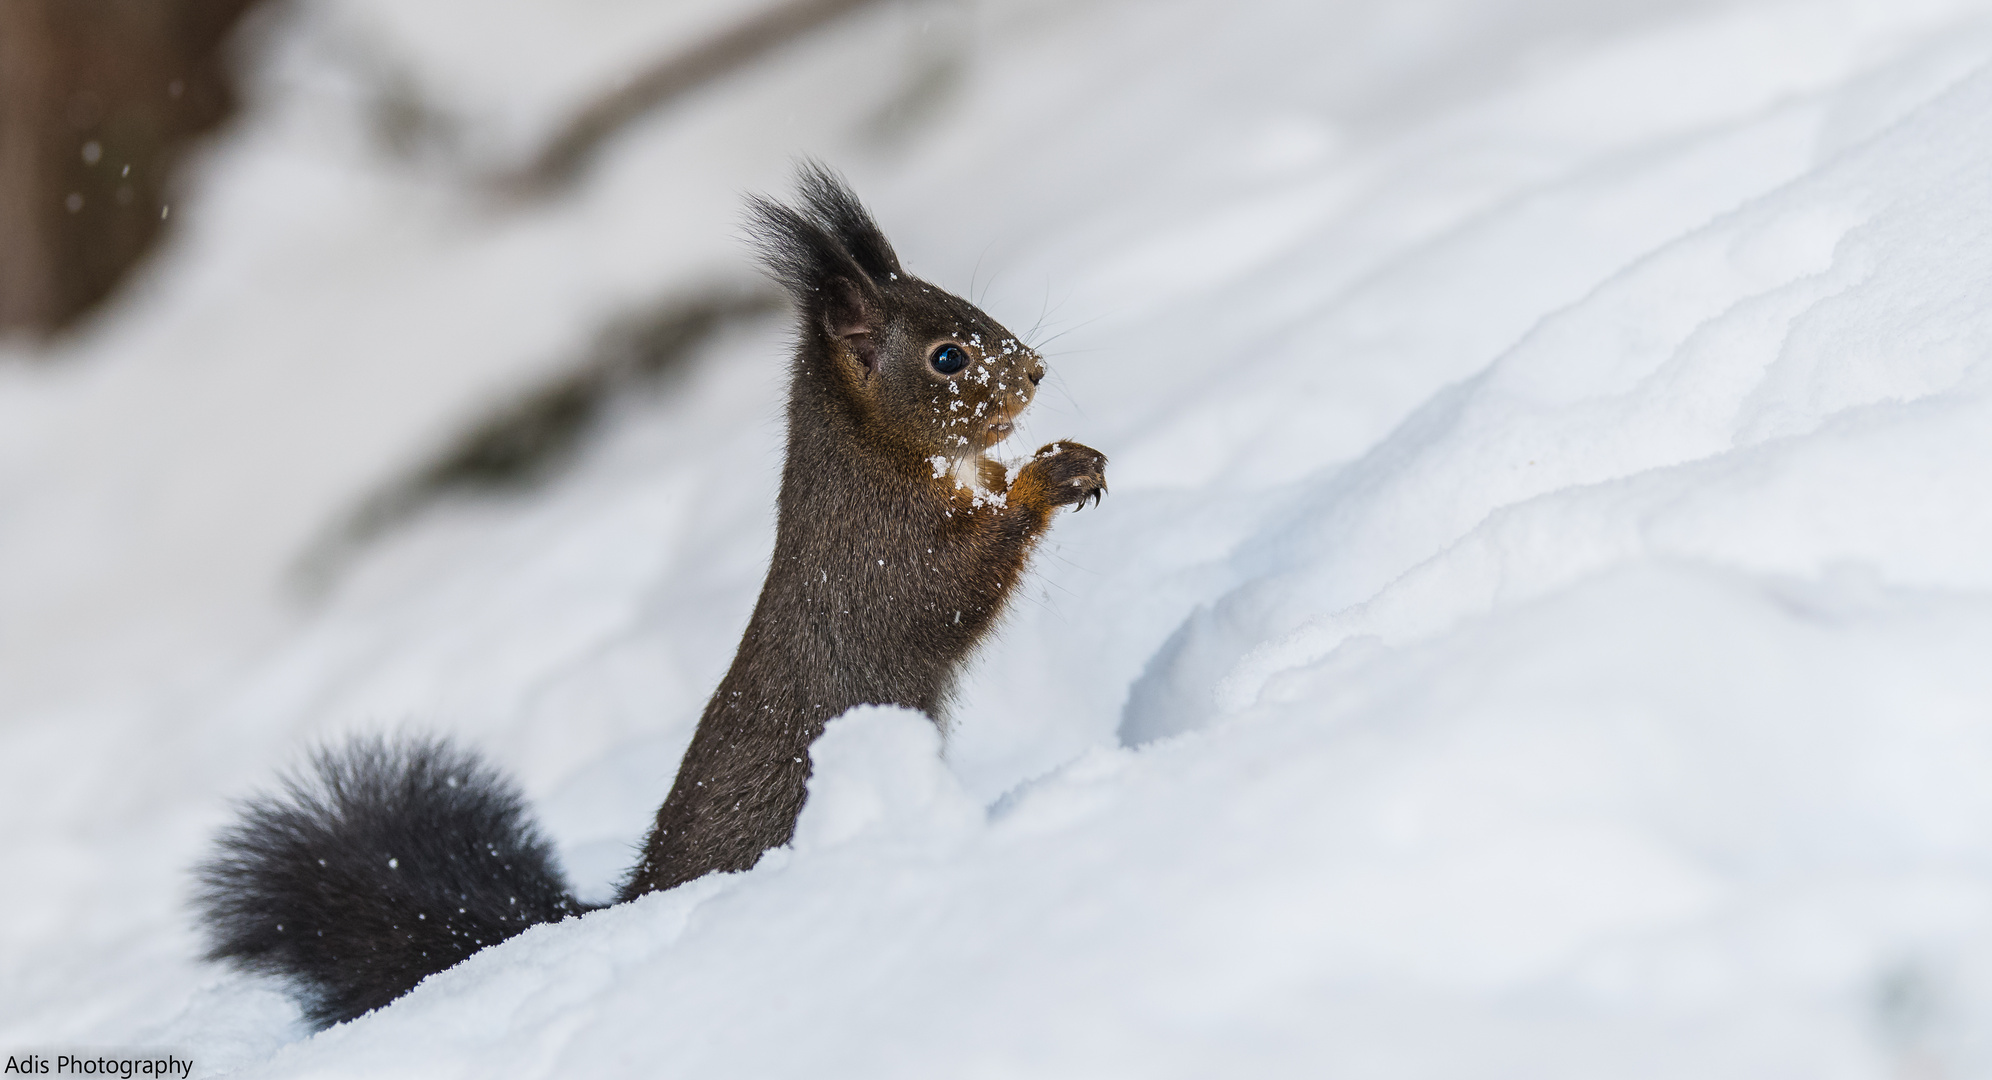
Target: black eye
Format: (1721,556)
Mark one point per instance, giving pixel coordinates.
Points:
(950,358)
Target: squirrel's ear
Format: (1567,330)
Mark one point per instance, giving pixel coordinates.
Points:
(831,258)
(850,316)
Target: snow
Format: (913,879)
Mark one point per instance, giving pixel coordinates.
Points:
(1536,629)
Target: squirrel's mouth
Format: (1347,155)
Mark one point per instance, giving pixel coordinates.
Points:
(1002,425)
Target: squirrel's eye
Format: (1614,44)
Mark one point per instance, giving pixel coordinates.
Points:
(950,358)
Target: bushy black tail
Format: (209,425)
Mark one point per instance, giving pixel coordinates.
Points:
(384,863)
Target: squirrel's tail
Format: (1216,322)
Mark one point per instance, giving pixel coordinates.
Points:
(382,863)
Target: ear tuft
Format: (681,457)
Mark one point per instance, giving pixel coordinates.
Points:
(827,235)
(831,202)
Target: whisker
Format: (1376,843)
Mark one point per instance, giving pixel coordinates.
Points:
(1067,330)
(973,296)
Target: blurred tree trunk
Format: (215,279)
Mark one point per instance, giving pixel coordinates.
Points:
(96,99)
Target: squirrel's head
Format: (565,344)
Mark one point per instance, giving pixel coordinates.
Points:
(923,369)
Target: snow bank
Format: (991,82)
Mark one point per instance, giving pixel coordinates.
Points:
(1536,628)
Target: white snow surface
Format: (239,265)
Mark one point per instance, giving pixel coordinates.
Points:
(1539,626)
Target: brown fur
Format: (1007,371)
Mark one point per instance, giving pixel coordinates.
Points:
(886,572)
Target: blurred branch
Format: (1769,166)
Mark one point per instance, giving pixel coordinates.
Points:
(529,439)
(569,151)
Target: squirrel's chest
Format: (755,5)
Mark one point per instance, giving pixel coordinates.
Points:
(871,562)
(908,570)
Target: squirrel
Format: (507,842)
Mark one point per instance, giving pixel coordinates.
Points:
(898,540)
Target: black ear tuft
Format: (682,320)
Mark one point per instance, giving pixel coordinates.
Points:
(830,201)
(829,235)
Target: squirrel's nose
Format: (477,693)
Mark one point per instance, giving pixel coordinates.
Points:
(1037,376)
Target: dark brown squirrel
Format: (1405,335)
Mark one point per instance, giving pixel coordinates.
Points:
(897,542)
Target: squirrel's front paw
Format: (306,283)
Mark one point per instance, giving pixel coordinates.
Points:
(1068,474)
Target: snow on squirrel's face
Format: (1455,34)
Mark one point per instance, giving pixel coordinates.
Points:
(950,378)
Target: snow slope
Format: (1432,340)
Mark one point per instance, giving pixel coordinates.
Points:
(1536,628)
